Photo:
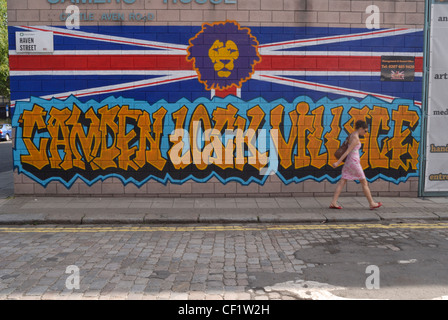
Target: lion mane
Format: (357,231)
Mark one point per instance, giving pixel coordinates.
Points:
(224,32)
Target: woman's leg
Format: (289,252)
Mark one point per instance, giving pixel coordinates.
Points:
(366,190)
(338,191)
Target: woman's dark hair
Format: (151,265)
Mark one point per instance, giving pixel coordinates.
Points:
(360,124)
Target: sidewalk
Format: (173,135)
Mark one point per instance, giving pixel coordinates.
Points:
(127,210)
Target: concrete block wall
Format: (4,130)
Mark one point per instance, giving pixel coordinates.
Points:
(288,13)
(250,13)
(112,187)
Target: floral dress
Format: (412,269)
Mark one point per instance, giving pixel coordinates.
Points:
(352,169)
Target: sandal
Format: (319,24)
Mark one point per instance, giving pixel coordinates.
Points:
(377,206)
(335,207)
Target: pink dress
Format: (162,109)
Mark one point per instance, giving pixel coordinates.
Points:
(352,169)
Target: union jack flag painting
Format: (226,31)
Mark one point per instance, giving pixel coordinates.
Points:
(397,75)
(149,63)
(310,83)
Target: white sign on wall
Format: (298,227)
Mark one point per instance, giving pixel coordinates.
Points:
(34,42)
(436,171)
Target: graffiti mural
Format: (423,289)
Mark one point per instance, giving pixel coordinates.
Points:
(227,138)
(221,100)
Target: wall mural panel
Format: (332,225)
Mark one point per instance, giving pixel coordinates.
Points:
(191,103)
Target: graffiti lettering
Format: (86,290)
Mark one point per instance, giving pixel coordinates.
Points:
(36,155)
(137,142)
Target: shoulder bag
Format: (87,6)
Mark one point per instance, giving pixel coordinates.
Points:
(341,150)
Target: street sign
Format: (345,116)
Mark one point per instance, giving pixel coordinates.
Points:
(436,147)
(34,42)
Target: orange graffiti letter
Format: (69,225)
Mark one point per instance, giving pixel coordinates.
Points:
(109,131)
(315,139)
(398,144)
(153,155)
(77,134)
(333,142)
(377,155)
(304,125)
(284,148)
(37,156)
(124,138)
(60,139)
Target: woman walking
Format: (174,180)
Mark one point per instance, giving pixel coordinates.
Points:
(352,169)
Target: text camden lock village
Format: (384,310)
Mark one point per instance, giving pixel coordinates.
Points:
(197,139)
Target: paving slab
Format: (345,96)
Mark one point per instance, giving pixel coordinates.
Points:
(129,210)
(112,218)
(443,215)
(406,214)
(350,215)
(293,217)
(22,218)
(160,218)
(64,218)
(228,218)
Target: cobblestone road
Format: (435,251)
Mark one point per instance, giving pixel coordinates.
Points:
(242,262)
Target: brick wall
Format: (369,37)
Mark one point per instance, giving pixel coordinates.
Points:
(273,188)
(248,13)
(288,13)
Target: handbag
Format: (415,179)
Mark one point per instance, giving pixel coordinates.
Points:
(341,150)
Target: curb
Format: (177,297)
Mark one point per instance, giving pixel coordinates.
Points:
(232,218)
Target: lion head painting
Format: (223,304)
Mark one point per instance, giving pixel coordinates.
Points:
(224,55)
